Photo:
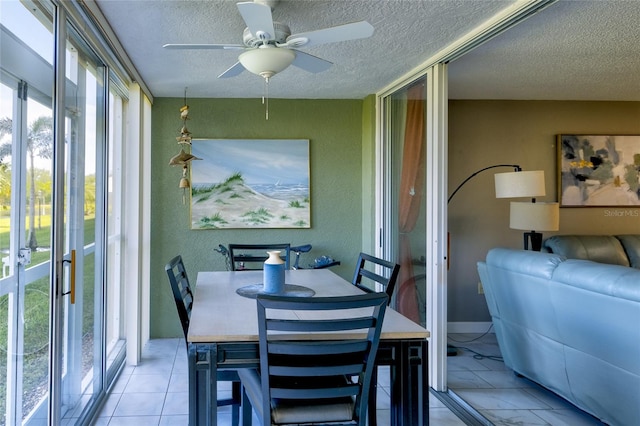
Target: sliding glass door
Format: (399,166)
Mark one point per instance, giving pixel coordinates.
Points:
(25,213)
(82,226)
(25,245)
(405,115)
(412,203)
(61,335)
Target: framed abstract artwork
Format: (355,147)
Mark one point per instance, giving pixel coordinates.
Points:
(599,170)
(250,183)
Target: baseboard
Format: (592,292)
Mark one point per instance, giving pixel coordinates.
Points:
(469,327)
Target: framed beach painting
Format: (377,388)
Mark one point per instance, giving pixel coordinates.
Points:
(599,170)
(250,183)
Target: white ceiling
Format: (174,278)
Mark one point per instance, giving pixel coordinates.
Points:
(571,50)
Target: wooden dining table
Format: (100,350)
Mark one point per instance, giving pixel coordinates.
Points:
(223,333)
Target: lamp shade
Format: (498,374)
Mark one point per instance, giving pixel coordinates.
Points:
(534,216)
(520,184)
(266,60)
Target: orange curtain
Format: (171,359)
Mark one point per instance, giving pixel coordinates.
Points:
(412,182)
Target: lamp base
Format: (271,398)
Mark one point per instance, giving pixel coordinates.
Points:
(536,240)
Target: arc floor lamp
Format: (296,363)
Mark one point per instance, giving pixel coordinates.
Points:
(531,216)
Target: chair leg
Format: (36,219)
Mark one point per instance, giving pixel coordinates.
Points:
(373,398)
(235,408)
(246,409)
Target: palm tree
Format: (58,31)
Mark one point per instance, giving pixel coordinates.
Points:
(39,144)
(5,148)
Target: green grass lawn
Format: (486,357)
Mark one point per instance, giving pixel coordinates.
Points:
(36,318)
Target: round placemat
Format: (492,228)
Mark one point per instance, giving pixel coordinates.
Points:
(251,291)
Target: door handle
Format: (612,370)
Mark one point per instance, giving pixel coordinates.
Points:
(72,278)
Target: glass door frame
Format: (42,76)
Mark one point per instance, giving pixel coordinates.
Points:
(29,87)
(435,205)
(71,136)
(17,272)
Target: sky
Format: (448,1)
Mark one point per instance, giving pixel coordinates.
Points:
(260,161)
(35,34)
(26,27)
(21,22)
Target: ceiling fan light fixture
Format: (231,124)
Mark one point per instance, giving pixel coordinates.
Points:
(266,61)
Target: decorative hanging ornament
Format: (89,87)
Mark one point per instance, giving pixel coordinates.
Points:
(185,136)
(184,184)
(184,110)
(183,158)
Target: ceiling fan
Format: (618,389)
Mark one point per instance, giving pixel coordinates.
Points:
(269,47)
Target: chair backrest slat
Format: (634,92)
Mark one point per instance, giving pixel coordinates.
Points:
(305,371)
(289,393)
(305,359)
(313,348)
(181,289)
(365,268)
(247,257)
(320,325)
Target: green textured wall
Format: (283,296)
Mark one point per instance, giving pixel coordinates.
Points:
(335,131)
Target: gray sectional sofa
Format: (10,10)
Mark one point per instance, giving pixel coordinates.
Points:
(621,250)
(571,325)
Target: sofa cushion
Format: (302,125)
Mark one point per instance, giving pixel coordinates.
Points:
(598,248)
(631,244)
(608,280)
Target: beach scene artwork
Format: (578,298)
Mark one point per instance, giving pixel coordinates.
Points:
(250,183)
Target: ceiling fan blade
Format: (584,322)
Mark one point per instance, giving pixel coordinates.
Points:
(310,63)
(352,31)
(258,18)
(233,71)
(204,46)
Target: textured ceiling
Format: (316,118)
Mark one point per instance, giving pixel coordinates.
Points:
(570,50)
(573,50)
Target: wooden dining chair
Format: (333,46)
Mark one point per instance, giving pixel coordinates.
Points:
(315,379)
(183,296)
(245,257)
(366,278)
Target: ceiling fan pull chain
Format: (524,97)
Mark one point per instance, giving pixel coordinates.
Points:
(265,98)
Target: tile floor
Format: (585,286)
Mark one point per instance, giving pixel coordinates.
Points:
(155,393)
(498,394)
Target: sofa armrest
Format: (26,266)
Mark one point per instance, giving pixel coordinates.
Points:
(526,262)
(598,248)
(631,244)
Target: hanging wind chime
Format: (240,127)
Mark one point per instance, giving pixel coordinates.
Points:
(184,158)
